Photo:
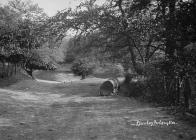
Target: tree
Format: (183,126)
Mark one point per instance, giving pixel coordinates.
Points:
(27,10)
(23,30)
(121,28)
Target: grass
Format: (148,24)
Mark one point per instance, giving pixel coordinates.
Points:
(31,110)
(19,76)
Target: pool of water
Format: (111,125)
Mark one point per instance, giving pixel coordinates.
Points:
(64,76)
(60,76)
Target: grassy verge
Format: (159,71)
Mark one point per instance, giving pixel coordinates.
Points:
(4,82)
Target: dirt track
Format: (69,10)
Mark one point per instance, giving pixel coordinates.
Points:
(45,110)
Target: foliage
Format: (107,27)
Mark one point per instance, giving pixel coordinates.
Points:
(69,58)
(81,68)
(155,91)
(117,29)
(22,30)
(133,89)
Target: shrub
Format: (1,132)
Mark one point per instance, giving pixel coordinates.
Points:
(69,58)
(149,86)
(155,88)
(133,89)
(81,68)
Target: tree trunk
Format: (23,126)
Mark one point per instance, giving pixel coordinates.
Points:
(8,69)
(83,76)
(30,72)
(177,91)
(15,66)
(187,94)
(170,30)
(131,51)
(12,69)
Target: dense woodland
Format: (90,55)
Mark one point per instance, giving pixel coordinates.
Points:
(152,38)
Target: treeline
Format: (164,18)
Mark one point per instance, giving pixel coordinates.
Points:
(154,38)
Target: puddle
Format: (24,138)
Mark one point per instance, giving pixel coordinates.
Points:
(64,77)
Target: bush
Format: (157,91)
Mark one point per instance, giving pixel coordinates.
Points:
(107,71)
(149,87)
(81,68)
(51,66)
(155,88)
(69,58)
(133,89)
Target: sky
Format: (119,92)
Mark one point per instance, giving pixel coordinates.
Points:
(52,6)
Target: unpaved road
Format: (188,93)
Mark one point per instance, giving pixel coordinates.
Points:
(46,110)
